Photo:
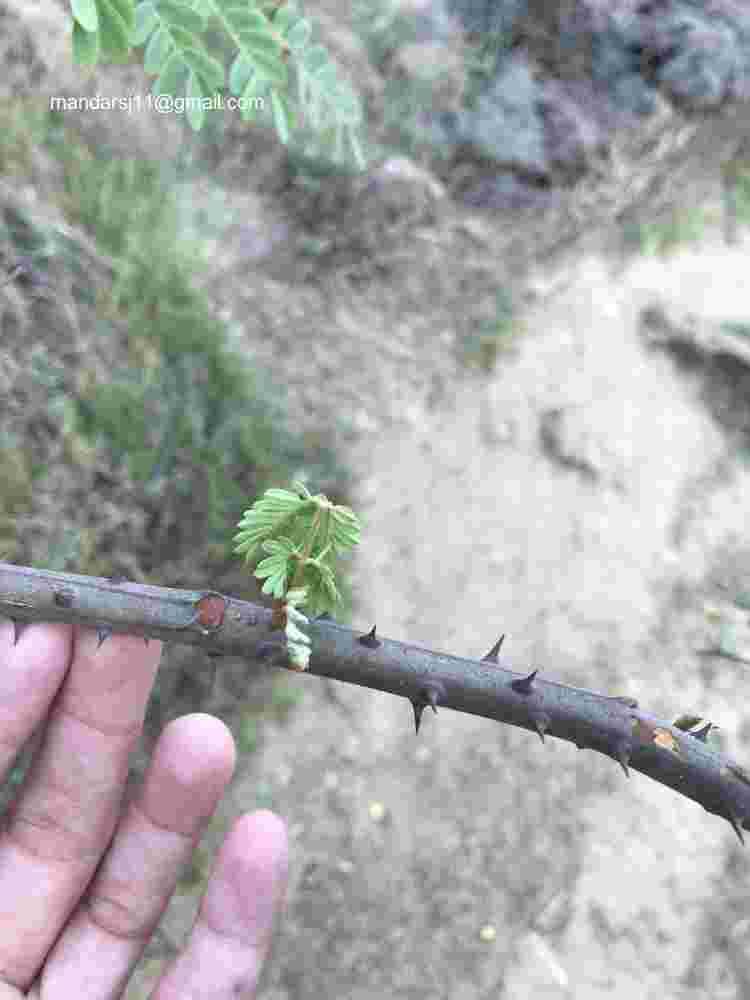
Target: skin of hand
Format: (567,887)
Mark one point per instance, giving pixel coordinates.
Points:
(84,878)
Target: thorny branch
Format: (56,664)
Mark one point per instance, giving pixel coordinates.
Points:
(611,725)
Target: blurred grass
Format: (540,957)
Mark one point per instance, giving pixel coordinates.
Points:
(185,408)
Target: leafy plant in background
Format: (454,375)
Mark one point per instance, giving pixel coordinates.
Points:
(268,39)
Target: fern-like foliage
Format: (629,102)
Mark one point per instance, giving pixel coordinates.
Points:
(300,533)
(277,67)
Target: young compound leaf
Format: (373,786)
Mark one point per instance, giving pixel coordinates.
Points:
(322,585)
(278,567)
(314,530)
(274,512)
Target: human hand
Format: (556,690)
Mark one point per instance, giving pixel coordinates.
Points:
(84,879)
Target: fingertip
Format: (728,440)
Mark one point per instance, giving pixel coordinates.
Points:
(250,877)
(264,824)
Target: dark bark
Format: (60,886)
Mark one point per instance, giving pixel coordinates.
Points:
(610,724)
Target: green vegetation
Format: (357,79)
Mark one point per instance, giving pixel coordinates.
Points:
(682,227)
(185,391)
(685,226)
(185,408)
(265,41)
(480,348)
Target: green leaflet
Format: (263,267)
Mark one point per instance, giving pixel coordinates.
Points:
(277,67)
(300,533)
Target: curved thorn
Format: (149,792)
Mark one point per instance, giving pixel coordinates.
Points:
(17,627)
(541,723)
(103,632)
(369,639)
(737,827)
(418,709)
(491,657)
(624,700)
(266,649)
(524,684)
(63,598)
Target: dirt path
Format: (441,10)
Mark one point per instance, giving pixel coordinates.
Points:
(583,500)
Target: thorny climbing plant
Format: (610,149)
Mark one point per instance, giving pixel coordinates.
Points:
(301,533)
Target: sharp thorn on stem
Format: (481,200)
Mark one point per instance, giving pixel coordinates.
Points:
(541,723)
(432,698)
(103,632)
(624,757)
(18,627)
(418,709)
(430,695)
(524,684)
(63,598)
(491,657)
(737,827)
(369,640)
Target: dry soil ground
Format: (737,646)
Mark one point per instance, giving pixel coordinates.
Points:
(583,499)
